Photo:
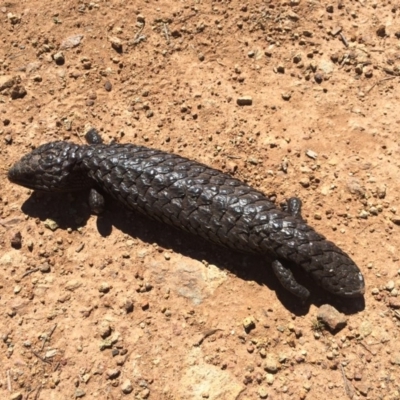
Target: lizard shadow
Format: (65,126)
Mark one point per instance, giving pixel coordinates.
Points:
(72,211)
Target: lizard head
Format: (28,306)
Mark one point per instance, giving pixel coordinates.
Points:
(52,167)
(337,273)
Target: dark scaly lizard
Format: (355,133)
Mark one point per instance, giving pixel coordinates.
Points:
(198,199)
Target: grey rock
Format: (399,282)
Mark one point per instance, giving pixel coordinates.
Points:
(71,42)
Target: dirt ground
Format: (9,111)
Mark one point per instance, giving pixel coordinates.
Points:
(118,306)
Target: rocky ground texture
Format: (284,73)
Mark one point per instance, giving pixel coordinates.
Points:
(295,97)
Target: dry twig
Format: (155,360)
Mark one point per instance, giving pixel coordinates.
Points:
(40,357)
(9,386)
(348,389)
(206,335)
(380,81)
(166,32)
(29,272)
(46,339)
(344,40)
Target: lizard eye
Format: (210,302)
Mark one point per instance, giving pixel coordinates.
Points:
(48,160)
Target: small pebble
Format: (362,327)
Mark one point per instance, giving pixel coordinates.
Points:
(390,286)
(112,373)
(14,19)
(16,396)
(252,160)
(373,211)
(262,392)
(293,16)
(18,92)
(86,378)
(250,348)
(330,355)
(363,388)
(331,317)
(305,182)
(363,214)
(8,139)
(44,268)
(104,329)
(318,77)
(108,86)
(50,224)
(126,386)
(244,101)
(394,303)
(79,393)
(270,365)
(116,44)
(114,352)
(395,220)
(80,247)
(167,313)
(312,154)
(6,82)
(381,31)
(269,379)
(336,30)
(71,42)
(128,306)
(59,58)
(50,353)
(87,64)
(104,287)
(297,58)
(249,323)
(16,240)
(73,285)
(369,72)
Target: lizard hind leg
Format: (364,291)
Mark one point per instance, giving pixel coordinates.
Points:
(92,136)
(96,199)
(293,207)
(288,281)
(96,202)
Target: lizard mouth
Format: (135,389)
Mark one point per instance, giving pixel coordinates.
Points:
(359,291)
(17,174)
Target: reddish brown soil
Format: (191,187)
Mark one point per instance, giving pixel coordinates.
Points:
(167,74)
